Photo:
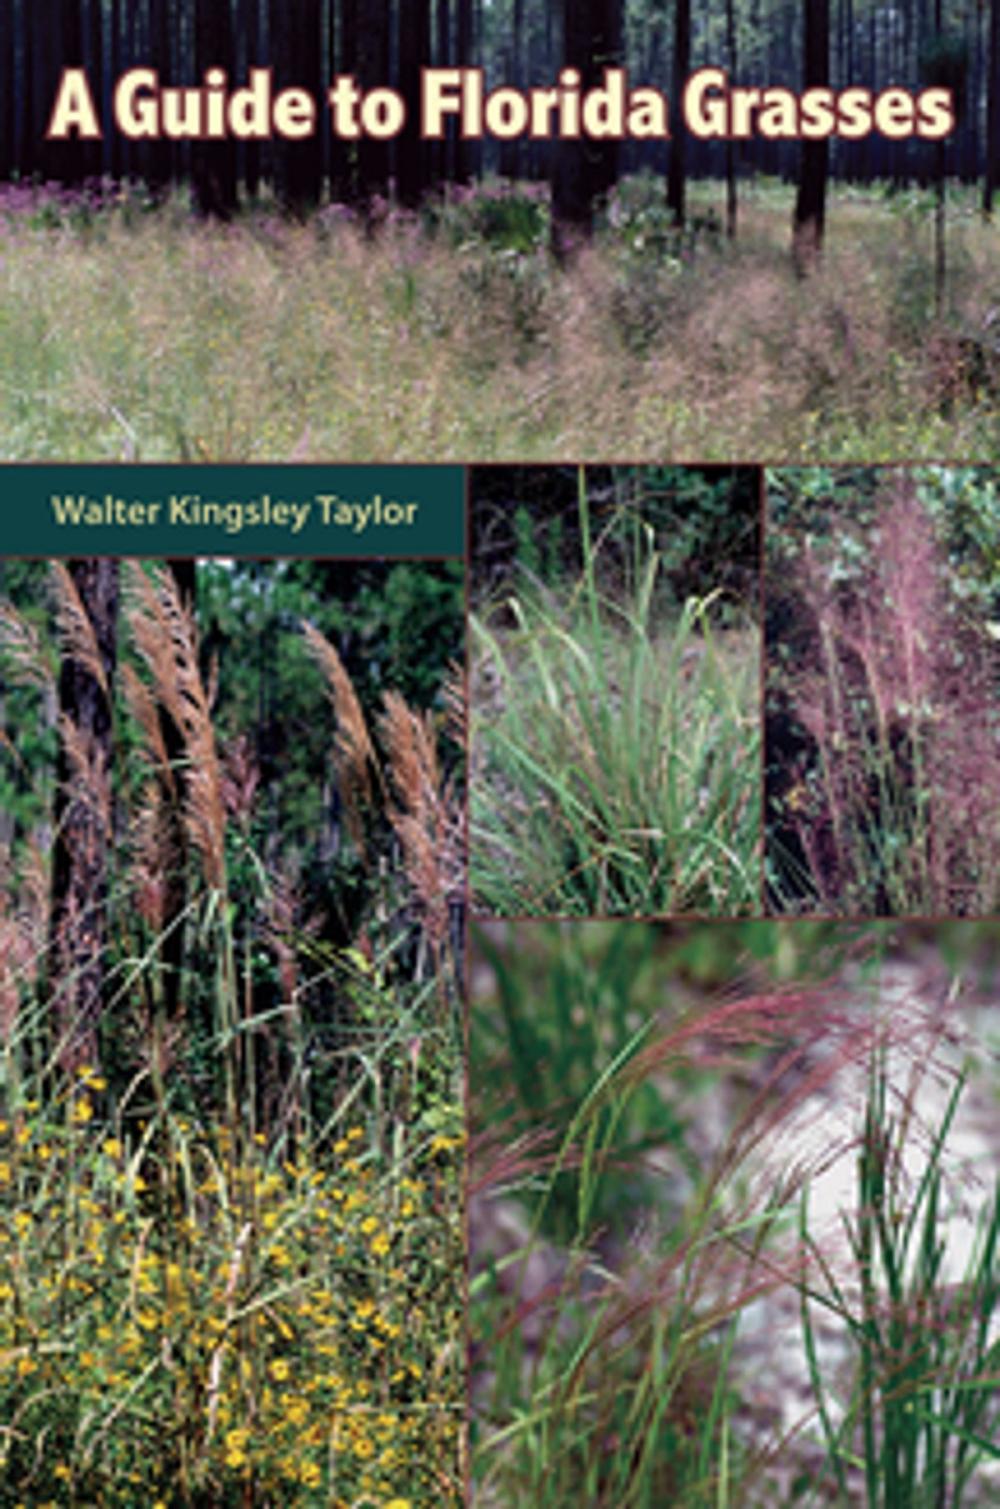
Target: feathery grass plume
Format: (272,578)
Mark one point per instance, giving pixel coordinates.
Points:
(615,1387)
(164,634)
(76,632)
(456,701)
(142,705)
(427,819)
(88,773)
(896,691)
(240,779)
(354,752)
(151,857)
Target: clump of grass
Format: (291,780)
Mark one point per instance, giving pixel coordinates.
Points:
(620,774)
(922,1415)
(152,337)
(897,810)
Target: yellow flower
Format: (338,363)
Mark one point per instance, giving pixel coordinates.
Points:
(380,1245)
(309,1474)
(296,1410)
(111,1147)
(398,1504)
(83,1112)
(280,1370)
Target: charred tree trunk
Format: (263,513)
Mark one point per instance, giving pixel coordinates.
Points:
(464,49)
(161,163)
(991,177)
(345,179)
(373,71)
(213,168)
(732,202)
(414,54)
(677,173)
(810,203)
(572,183)
(82,815)
(299,44)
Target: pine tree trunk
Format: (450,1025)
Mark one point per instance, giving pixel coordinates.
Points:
(414,54)
(213,167)
(677,173)
(991,177)
(810,205)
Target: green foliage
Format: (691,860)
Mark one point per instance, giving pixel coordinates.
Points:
(528,554)
(618,769)
(925,1395)
(567,1005)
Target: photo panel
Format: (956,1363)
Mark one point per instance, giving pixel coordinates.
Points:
(232,1057)
(615,690)
(733,1212)
(882,726)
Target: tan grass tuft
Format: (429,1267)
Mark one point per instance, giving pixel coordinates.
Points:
(88,774)
(164,634)
(76,630)
(142,705)
(427,819)
(355,754)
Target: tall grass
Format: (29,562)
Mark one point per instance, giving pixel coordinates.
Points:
(898,810)
(617,759)
(145,336)
(231,1252)
(924,1408)
(613,1370)
(609,1381)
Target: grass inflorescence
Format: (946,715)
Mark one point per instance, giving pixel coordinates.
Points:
(136,332)
(718,1316)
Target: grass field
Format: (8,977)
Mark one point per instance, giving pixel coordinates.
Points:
(145,335)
